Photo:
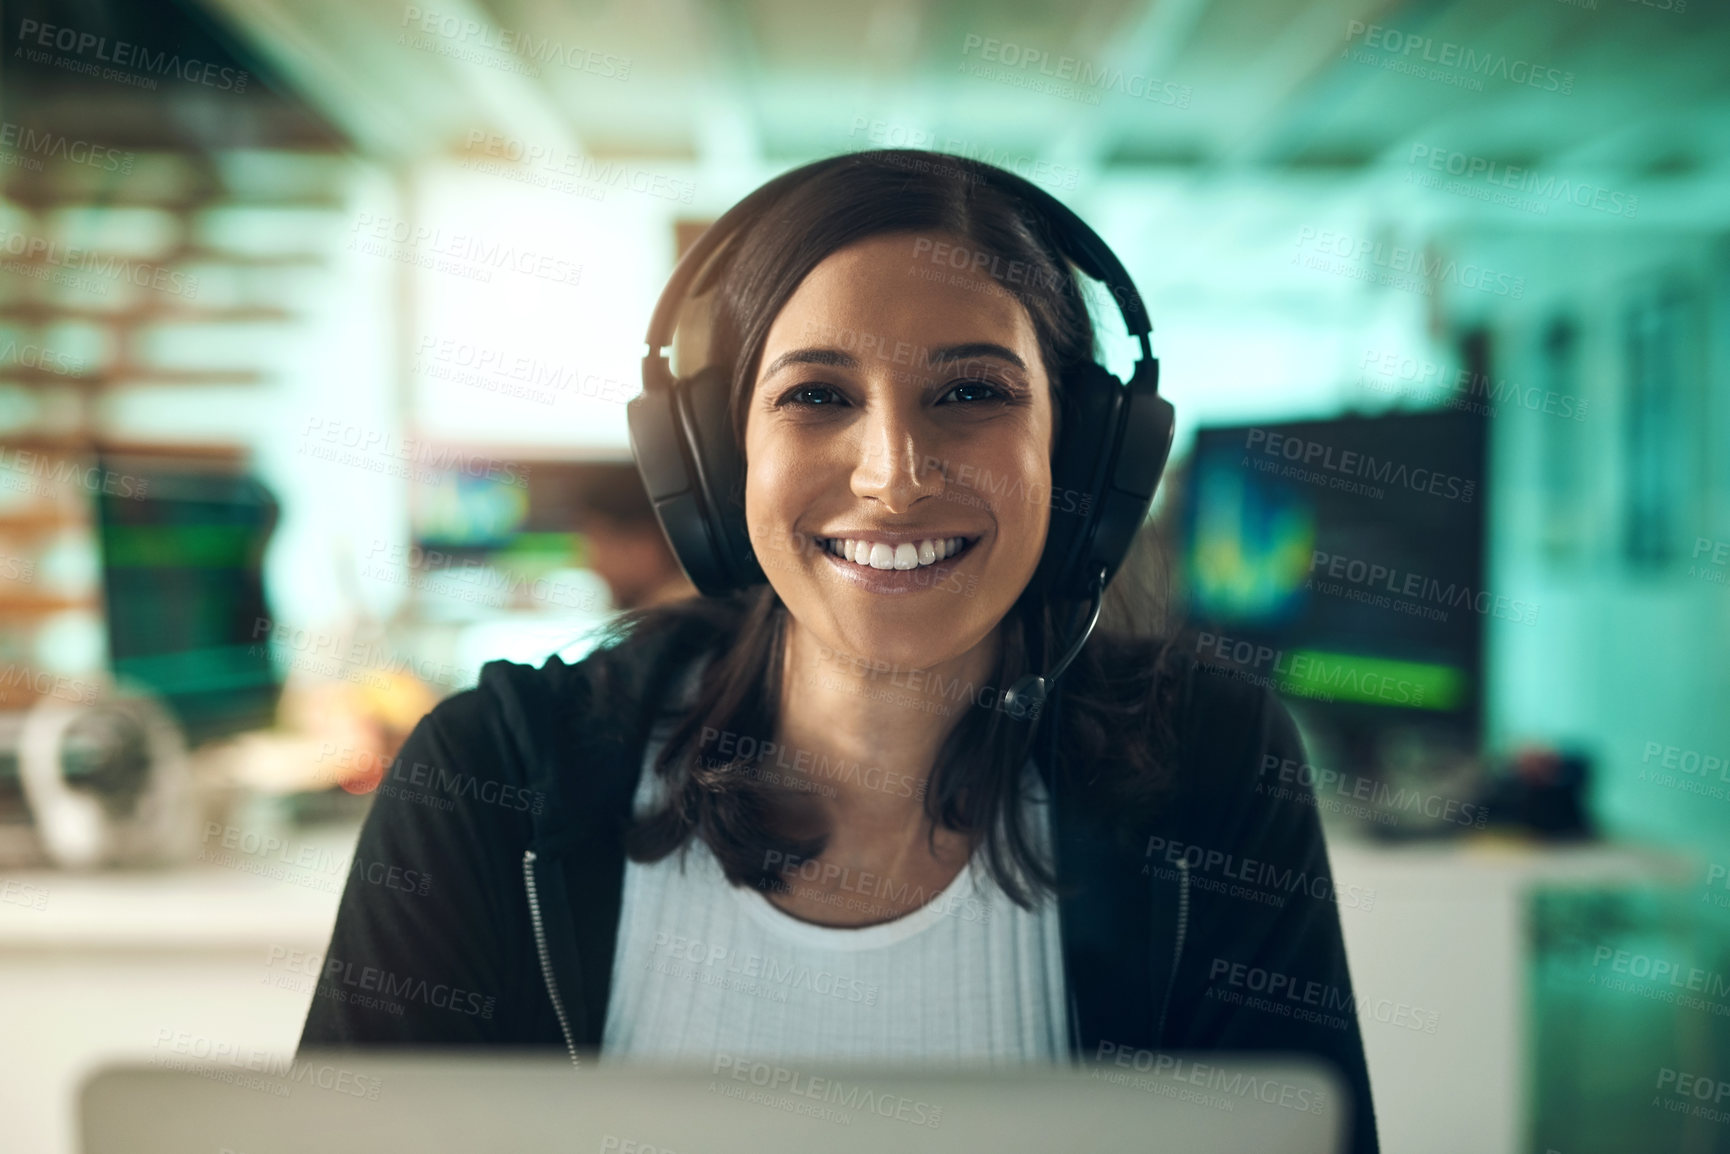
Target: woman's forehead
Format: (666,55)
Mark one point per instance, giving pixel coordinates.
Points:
(885,292)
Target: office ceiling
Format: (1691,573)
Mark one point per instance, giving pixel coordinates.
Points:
(1636,87)
(1633,85)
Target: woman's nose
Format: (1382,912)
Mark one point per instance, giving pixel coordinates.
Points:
(897,466)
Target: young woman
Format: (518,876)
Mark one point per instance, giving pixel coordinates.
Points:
(797,821)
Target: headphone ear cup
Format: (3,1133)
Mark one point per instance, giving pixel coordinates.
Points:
(1091,400)
(1148,421)
(720,468)
(1109,459)
(683,446)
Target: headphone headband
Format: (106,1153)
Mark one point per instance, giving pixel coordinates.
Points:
(1075,240)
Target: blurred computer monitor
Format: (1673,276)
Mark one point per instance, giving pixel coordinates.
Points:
(183,586)
(1342,563)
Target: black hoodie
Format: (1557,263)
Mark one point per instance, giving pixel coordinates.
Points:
(1217,930)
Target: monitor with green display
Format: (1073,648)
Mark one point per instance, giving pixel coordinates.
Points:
(184,590)
(1342,561)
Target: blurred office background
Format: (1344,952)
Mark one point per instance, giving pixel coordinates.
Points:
(317,322)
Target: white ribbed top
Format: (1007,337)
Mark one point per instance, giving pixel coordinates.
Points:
(704,968)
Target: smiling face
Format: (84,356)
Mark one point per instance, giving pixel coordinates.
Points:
(889,409)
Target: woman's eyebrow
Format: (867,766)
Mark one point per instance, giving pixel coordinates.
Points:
(833,358)
(948,353)
(942,355)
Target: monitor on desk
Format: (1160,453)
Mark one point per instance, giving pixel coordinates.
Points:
(183,587)
(1342,562)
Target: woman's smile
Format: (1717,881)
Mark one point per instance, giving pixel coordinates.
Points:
(876,565)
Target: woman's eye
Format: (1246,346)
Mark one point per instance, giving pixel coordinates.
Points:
(973,387)
(791,396)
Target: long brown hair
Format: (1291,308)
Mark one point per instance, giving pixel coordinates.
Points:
(1116,695)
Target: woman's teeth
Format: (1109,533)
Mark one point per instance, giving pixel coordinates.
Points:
(907,555)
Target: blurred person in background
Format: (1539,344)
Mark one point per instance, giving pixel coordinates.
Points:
(626,546)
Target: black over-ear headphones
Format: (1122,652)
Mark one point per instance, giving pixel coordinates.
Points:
(1113,442)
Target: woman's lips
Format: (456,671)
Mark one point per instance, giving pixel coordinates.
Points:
(940,575)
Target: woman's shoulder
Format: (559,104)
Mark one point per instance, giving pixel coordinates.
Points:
(1236,734)
(1219,729)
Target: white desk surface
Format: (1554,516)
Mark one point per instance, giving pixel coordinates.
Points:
(202,905)
(188,908)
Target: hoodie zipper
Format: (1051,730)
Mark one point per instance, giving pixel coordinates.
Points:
(1177,950)
(546,955)
(1182,887)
